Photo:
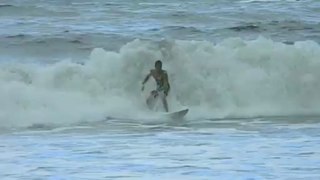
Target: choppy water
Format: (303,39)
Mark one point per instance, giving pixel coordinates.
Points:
(53,30)
(212,149)
(71,106)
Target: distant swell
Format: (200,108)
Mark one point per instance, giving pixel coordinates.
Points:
(17,36)
(246,28)
(58,45)
(276,26)
(32,10)
(5,5)
(179,29)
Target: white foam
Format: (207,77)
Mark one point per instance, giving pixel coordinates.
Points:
(234,77)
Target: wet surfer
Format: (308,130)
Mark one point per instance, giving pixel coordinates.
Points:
(163,86)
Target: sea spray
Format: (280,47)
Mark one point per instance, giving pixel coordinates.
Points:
(232,78)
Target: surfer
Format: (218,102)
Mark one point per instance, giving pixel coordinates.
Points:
(163,86)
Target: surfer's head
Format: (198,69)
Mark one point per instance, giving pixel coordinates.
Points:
(158,65)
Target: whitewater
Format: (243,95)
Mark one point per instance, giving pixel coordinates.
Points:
(71,101)
(234,78)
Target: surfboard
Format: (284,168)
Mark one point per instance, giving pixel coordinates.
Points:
(177,114)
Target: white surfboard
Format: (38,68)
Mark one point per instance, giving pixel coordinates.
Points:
(152,102)
(177,114)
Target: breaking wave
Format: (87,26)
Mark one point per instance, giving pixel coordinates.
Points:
(232,78)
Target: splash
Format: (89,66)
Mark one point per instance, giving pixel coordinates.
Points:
(231,78)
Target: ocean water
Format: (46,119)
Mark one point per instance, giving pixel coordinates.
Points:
(71,102)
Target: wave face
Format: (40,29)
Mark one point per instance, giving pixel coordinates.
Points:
(233,78)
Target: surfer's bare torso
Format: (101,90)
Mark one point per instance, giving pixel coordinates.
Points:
(161,78)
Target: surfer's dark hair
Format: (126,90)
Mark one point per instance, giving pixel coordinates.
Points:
(158,62)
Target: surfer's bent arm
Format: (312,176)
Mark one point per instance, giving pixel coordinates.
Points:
(146,78)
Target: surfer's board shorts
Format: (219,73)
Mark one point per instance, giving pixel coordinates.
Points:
(152,99)
(163,90)
(154,94)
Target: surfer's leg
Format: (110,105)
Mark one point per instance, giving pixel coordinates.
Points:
(165,104)
(149,103)
(164,101)
(151,99)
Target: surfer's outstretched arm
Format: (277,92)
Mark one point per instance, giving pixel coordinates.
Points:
(145,80)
